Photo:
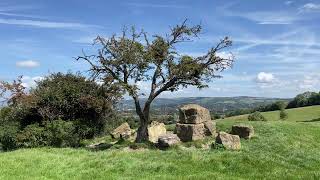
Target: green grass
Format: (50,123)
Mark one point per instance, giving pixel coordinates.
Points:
(280,150)
(307,114)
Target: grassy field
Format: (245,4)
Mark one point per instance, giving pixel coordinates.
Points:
(280,150)
(305,114)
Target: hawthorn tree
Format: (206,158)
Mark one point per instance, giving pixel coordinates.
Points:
(133,57)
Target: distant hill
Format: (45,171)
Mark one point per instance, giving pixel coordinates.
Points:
(214,104)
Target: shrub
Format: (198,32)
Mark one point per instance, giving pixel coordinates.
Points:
(283,114)
(256,116)
(32,136)
(67,97)
(56,133)
(60,133)
(8,134)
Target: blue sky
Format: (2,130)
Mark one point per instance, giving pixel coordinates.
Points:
(276,43)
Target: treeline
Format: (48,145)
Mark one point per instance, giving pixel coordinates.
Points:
(305,99)
(61,111)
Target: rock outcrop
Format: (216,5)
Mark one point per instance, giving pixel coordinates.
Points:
(193,114)
(123,131)
(156,129)
(243,131)
(190,132)
(194,123)
(228,141)
(168,140)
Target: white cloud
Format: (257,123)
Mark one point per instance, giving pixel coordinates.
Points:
(309,82)
(28,64)
(44,24)
(310,7)
(264,77)
(30,82)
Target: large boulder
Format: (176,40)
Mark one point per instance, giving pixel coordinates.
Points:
(168,140)
(123,131)
(193,114)
(210,128)
(228,141)
(243,131)
(190,132)
(156,129)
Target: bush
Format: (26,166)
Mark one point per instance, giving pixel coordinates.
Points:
(8,134)
(283,114)
(67,97)
(256,116)
(60,133)
(56,133)
(32,136)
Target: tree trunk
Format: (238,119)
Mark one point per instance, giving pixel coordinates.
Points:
(142,134)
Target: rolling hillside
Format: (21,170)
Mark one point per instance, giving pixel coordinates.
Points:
(279,150)
(214,104)
(304,114)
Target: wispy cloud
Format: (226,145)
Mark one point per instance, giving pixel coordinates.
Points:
(45,24)
(296,37)
(20,15)
(28,64)
(10,15)
(310,7)
(272,17)
(154,5)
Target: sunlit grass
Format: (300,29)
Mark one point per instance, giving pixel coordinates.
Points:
(279,150)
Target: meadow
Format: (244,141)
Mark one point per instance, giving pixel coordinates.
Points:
(280,149)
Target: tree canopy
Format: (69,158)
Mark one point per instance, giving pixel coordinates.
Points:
(134,56)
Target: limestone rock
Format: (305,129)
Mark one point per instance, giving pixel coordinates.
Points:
(123,131)
(243,131)
(210,128)
(168,140)
(229,141)
(190,132)
(156,129)
(193,114)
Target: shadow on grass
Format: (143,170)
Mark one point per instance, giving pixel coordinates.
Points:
(313,120)
(99,147)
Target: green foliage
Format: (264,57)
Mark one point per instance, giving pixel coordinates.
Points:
(283,114)
(72,97)
(278,105)
(69,97)
(305,99)
(56,133)
(62,134)
(8,134)
(32,136)
(256,116)
(60,111)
